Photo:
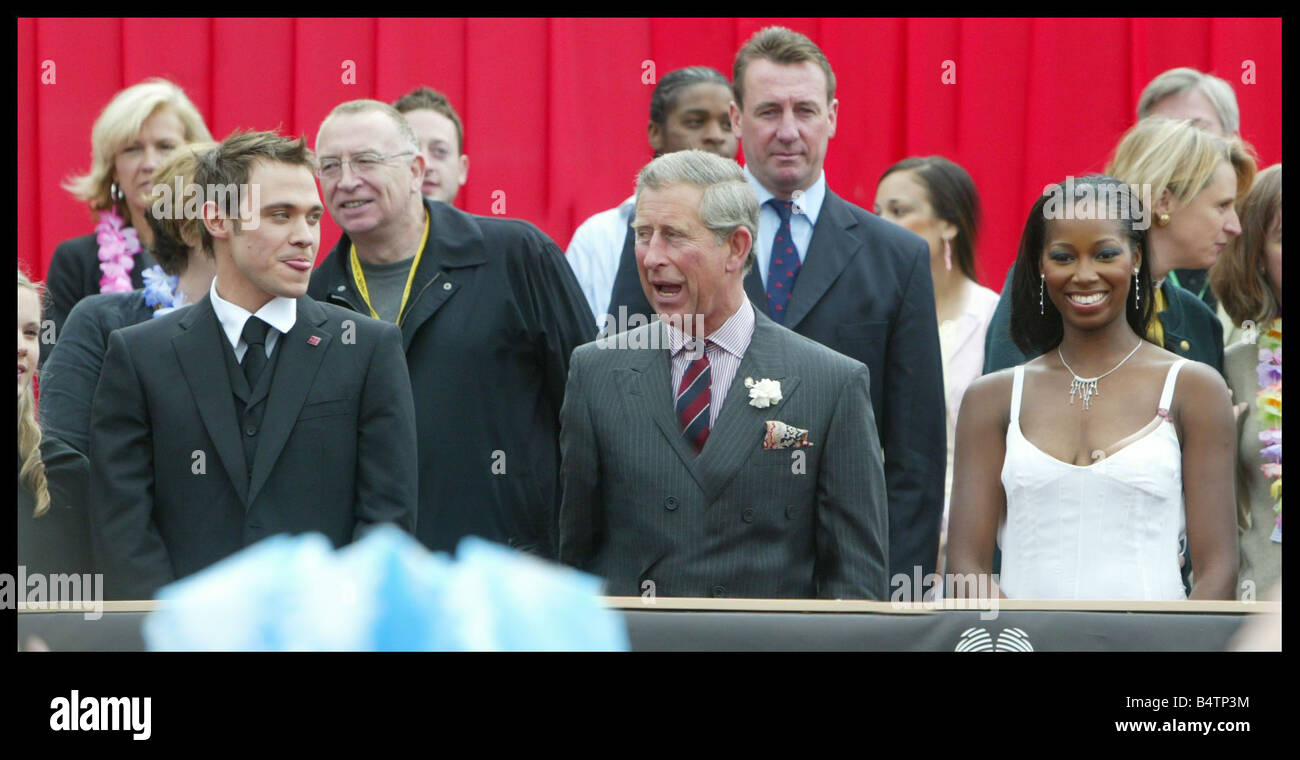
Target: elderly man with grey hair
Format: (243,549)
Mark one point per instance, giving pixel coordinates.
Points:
(489,313)
(712,452)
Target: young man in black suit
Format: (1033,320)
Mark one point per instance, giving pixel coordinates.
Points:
(836,273)
(257,410)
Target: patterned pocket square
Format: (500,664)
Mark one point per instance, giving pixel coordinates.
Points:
(782,436)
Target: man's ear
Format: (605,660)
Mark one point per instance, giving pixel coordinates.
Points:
(417,170)
(738,246)
(464,169)
(656,137)
(734,110)
(217,225)
(832,114)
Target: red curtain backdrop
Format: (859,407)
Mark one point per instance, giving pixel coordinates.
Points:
(555,110)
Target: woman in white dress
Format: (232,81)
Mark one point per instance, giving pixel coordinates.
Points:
(1087,464)
(936,199)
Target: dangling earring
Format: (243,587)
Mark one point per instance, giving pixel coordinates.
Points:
(1137,294)
(1042,278)
(947,254)
(116,193)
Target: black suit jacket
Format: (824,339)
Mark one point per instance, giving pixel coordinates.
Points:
(493,315)
(171,492)
(865,291)
(74,274)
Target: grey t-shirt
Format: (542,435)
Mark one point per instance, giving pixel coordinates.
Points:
(386,283)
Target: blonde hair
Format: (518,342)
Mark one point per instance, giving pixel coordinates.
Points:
(1173,155)
(1238,277)
(32,472)
(118,124)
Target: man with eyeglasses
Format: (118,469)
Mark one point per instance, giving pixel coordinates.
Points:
(489,313)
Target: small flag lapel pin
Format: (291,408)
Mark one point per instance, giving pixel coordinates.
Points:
(313,340)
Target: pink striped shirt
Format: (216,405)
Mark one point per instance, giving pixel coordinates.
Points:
(726,347)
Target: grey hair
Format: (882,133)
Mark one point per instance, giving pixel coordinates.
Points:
(1182,79)
(404,130)
(728,203)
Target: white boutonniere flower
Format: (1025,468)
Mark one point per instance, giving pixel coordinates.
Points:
(763,393)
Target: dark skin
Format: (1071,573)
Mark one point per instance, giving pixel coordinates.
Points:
(1085,258)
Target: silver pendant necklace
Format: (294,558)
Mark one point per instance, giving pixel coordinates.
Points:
(1086,387)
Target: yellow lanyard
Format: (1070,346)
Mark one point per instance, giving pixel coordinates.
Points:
(1155,330)
(360,276)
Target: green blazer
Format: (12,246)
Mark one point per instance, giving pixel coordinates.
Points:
(1191,330)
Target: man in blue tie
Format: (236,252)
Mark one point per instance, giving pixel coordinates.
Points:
(836,273)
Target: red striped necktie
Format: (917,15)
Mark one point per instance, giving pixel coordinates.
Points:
(693,401)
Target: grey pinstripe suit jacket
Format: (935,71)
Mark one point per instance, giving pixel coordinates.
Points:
(736,521)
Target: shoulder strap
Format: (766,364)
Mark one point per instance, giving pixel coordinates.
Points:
(1167,395)
(1015,393)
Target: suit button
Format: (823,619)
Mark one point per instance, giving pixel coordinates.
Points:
(670,503)
(791,511)
(748,515)
(446,286)
(719,591)
(1184,346)
(341,288)
(250,430)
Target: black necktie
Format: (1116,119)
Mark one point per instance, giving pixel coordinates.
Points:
(254,336)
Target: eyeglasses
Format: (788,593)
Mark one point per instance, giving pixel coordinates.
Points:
(362,163)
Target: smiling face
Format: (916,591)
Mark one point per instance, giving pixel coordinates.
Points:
(274,256)
(445,168)
(1088,266)
(134,165)
(29,330)
(1199,231)
(903,199)
(785,124)
(364,202)
(684,270)
(701,119)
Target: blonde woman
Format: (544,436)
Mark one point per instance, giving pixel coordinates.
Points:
(50,540)
(133,135)
(1248,282)
(1195,179)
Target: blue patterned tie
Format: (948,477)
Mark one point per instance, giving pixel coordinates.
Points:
(783,264)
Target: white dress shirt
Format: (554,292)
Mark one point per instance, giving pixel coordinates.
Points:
(807,205)
(726,347)
(280,313)
(594,254)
